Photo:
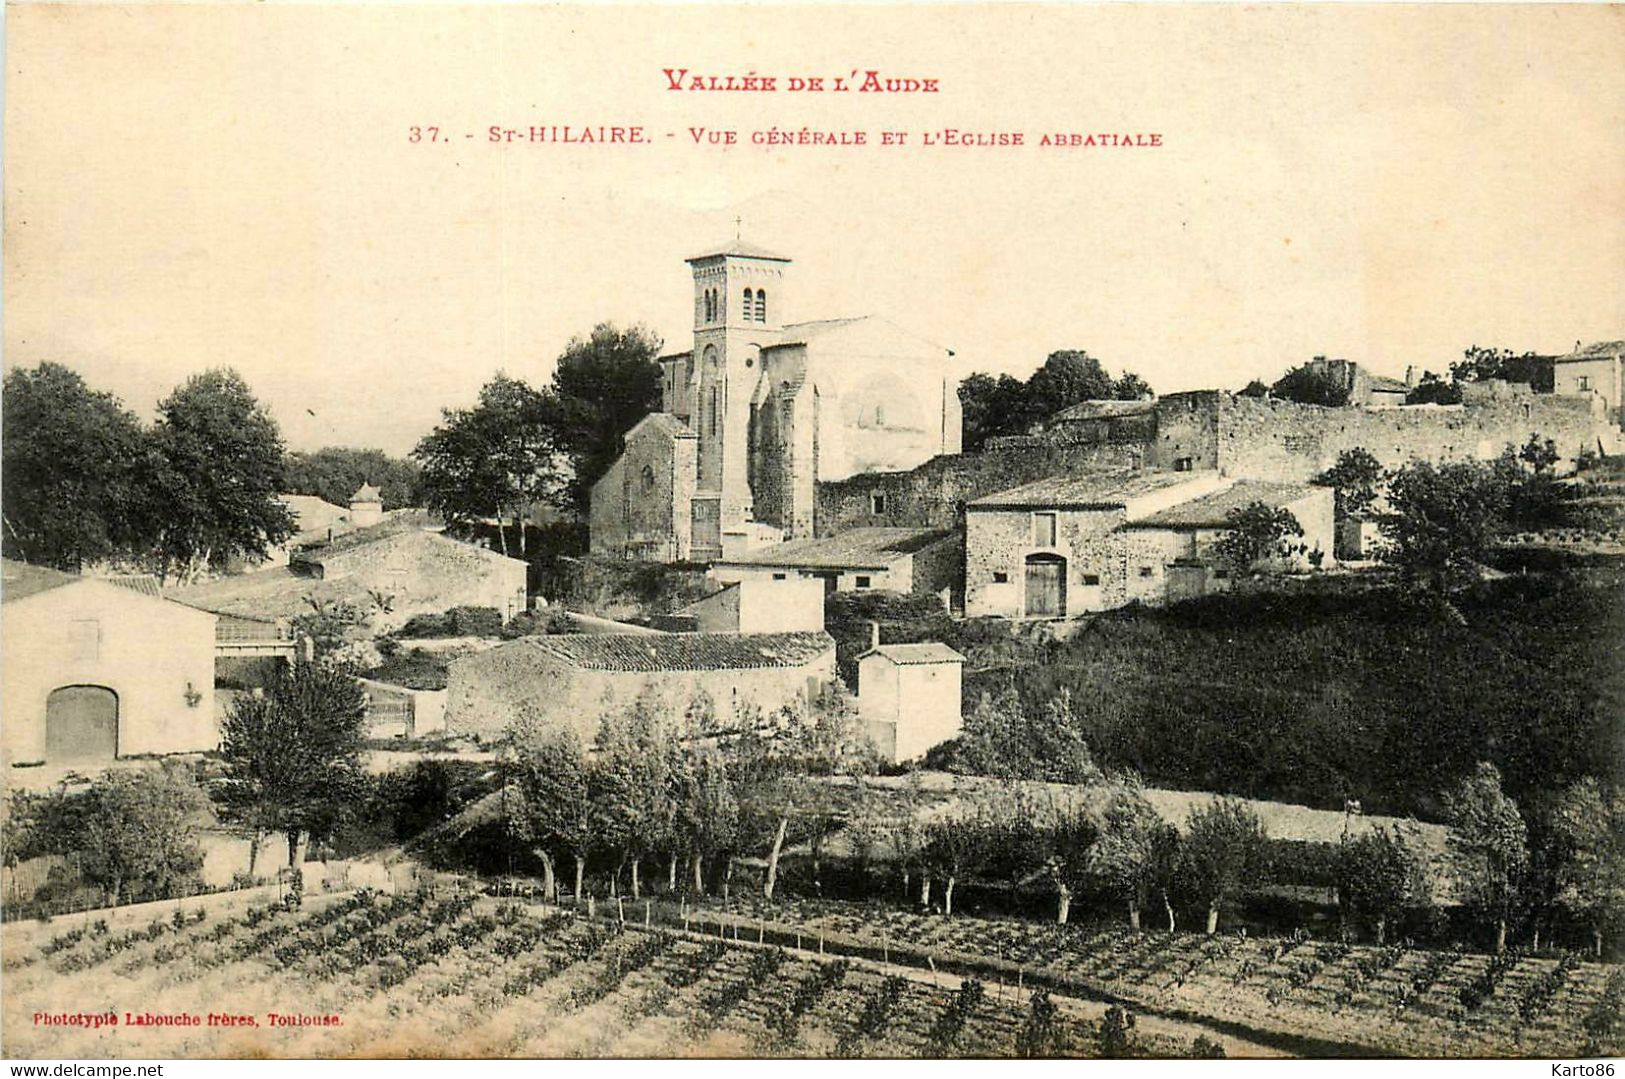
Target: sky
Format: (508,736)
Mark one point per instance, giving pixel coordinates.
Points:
(194,186)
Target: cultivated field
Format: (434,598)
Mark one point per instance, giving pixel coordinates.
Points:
(1321,998)
(444,973)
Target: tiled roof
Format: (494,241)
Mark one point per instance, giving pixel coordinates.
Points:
(1595,350)
(1212,510)
(1099,491)
(145,584)
(665,423)
(742,249)
(683,651)
(19,580)
(861,548)
(905,655)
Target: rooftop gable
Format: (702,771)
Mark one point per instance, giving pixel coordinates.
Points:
(860,548)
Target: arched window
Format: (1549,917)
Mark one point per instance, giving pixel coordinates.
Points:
(749,313)
(761,305)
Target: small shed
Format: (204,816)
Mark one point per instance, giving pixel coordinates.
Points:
(909,697)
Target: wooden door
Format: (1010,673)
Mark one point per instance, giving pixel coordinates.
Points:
(1046,586)
(81,724)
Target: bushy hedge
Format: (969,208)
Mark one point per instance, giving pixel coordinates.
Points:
(457,622)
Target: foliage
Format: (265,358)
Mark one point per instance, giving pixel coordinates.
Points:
(1225,846)
(1007,406)
(1124,856)
(497,459)
(990,407)
(1430,389)
(1310,386)
(1381,873)
(218,470)
(138,833)
(1255,388)
(292,754)
(1013,738)
(1591,879)
(1482,364)
(1041,1035)
(328,624)
(1256,533)
(1115,1036)
(1444,519)
(456,622)
(415,668)
(602,386)
(74,489)
(1488,842)
(1355,479)
(334,473)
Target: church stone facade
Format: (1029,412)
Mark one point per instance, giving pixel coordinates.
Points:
(760,411)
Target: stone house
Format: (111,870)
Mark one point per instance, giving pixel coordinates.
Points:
(573,680)
(387,573)
(760,604)
(909,697)
(908,560)
(1071,544)
(95,671)
(1597,370)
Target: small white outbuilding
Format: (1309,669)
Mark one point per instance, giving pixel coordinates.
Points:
(909,697)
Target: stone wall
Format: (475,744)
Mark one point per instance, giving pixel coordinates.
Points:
(1270,439)
(487,692)
(934,494)
(640,508)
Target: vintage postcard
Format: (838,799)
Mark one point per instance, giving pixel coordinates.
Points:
(824,530)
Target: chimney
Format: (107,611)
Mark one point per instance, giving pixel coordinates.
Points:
(874,635)
(1410,375)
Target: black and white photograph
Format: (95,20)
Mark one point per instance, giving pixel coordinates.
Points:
(876,531)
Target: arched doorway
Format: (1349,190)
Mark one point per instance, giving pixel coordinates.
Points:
(81,724)
(1046,586)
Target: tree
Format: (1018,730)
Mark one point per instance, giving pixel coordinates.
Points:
(1009,738)
(781,771)
(631,786)
(955,847)
(1430,389)
(1488,844)
(1443,519)
(1123,857)
(1381,873)
(139,833)
(1354,480)
(1256,533)
(334,473)
(1225,853)
(1482,364)
(602,386)
(293,756)
(1309,385)
(1067,377)
(1591,879)
(1255,388)
(496,459)
(990,407)
(555,779)
(707,809)
(73,491)
(218,471)
(1131,387)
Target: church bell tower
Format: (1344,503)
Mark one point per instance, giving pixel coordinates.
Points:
(738,310)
